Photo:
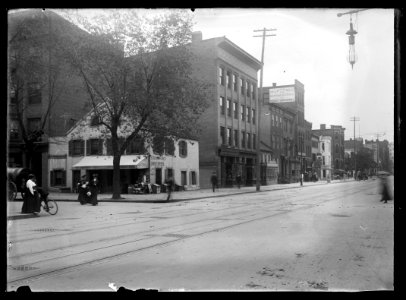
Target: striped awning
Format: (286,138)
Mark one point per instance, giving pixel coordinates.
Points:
(105,162)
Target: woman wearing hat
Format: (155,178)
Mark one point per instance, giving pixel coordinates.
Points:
(94,189)
(83,189)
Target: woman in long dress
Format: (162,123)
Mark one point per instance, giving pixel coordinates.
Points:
(31,203)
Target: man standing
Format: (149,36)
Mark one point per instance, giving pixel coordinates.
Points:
(94,189)
(169,187)
(213,180)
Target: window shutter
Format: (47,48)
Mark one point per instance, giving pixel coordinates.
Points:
(70,148)
(100,150)
(52,178)
(87,147)
(82,147)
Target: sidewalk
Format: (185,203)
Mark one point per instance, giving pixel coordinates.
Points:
(176,196)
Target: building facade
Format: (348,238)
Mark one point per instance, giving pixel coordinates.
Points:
(43,88)
(86,150)
(326,157)
(336,132)
(229,126)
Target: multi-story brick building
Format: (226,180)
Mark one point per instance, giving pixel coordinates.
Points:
(336,132)
(290,100)
(229,126)
(56,83)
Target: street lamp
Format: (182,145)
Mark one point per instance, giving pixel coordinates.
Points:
(352,57)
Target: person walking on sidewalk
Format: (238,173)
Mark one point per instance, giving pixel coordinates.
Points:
(94,189)
(385,190)
(169,186)
(213,180)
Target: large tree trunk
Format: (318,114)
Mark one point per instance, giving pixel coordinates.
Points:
(116,177)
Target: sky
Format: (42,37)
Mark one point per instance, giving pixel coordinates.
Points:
(311,46)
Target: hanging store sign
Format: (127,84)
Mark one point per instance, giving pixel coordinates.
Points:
(282,94)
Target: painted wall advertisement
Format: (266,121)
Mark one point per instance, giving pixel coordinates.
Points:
(282,94)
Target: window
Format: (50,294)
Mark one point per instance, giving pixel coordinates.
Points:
(235,87)
(254,141)
(322,146)
(242,84)
(229,80)
(229,141)
(169,173)
(272,119)
(76,148)
(136,146)
(253,116)
(221,75)
(229,107)
(248,89)
(58,177)
(235,108)
(253,91)
(34,93)
(242,112)
(248,112)
(337,150)
(193,175)
(242,139)
(236,138)
(248,140)
(222,107)
(33,124)
(95,121)
(182,148)
(324,160)
(94,147)
(14,132)
(222,135)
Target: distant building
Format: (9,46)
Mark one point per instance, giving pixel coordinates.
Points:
(336,132)
(326,157)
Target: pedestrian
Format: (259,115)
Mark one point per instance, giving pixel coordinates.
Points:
(169,187)
(31,203)
(238,178)
(82,185)
(94,189)
(301,179)
(385,195)
(213,180)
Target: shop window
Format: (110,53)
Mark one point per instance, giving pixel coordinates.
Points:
(182,149)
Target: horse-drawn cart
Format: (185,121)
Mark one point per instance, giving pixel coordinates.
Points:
(15,177)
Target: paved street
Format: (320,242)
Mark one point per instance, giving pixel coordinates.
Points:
(319,237)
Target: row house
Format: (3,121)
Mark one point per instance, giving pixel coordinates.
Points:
(86,150)
(229,126)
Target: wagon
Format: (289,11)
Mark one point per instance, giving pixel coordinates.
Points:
(15,178)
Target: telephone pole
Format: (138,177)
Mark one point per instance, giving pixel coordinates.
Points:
(355,119)
(260,102)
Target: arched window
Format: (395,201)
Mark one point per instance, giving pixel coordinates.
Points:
(182,149)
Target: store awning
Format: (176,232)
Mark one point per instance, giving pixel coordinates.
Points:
(106,162)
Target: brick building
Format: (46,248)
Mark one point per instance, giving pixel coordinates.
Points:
(229,127)
(336,132)
(56,79)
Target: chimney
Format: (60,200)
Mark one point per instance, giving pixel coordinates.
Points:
(322,126)
(274,84)
(196,36)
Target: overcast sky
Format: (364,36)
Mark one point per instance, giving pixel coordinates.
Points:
(311,46)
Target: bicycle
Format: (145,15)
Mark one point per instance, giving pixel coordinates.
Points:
(50,206)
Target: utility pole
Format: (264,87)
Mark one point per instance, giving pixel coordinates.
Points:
(355,119)
(258,141)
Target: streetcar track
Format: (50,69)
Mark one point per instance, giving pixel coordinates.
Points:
(119,255)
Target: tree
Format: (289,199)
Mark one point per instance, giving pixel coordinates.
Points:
(138,74)
(365,160)
(35,73)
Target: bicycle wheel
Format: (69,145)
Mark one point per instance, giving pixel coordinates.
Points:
(12,191)
(52,207)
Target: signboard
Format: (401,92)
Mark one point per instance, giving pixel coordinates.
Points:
(282,94)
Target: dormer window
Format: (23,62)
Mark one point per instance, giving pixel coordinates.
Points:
(95,121)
